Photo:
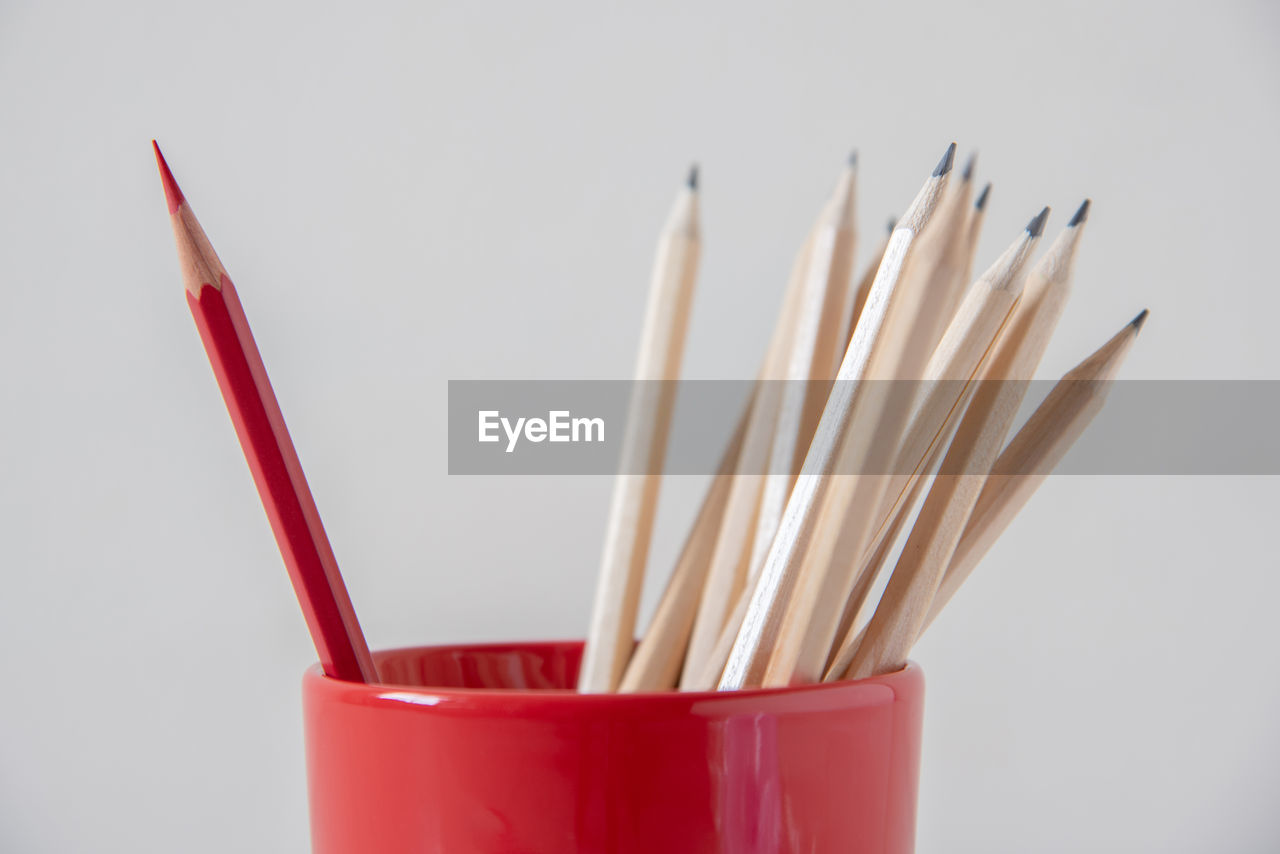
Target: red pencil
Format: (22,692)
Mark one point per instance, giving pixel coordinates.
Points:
(267,447)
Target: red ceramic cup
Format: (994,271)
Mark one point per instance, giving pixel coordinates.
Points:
(474,749)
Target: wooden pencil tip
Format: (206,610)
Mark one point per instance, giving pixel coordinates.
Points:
(945,164)
(172,194)
(853,159)
(981,202)
(1081,214)
(692,180)
(893,223)
(1137,322)
(1036,227)
(968,167)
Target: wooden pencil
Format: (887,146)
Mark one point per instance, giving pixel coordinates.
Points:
(272,458)
(1032,454)
(635,495)
(898,617)
(750,654)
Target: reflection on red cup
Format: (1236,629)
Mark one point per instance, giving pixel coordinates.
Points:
(476,749)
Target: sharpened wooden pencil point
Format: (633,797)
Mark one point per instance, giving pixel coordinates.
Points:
(1138,321)
(944,165)
(981,203)
(1036,227)
(1081,214)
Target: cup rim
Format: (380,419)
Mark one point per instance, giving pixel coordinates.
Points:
(873,690)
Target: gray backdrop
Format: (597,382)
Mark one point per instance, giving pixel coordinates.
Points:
(412,193)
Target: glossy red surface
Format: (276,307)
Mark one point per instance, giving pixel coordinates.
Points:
(482,749)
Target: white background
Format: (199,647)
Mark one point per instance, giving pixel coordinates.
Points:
(410,194)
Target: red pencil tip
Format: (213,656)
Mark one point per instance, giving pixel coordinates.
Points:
(172,194)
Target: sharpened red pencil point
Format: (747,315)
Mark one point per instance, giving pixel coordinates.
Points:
(172,194)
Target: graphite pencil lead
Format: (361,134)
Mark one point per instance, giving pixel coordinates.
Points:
(1137,322)
(981,202)
(692,181)
(1036,227)
(948,159)
(1081,214)
(853,159)
(968,167)
(172,194)
(893,223)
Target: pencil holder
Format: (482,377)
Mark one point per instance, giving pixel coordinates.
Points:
(487,749)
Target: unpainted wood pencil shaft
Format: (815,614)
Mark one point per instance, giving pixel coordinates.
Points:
(713,667)
(863,289)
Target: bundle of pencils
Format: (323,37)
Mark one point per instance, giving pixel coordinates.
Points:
(882,407)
